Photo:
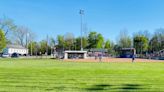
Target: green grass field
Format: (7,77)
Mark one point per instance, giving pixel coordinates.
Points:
(22,75)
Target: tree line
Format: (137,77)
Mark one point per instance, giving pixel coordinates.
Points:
(143,41)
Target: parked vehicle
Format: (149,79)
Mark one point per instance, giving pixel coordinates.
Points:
(5,55)
(15,55)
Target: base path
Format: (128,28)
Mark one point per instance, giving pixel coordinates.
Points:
(114,60)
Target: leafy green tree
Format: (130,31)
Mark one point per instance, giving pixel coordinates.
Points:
(85,42)
(92,40)
(100,41)
(95,40)
(78,43)
(43,46)
(109,47)
(34,47)
(61,42)
(107,44)
(140,43)
(2,40)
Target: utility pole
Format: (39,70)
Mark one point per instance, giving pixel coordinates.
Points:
(26,41)
(27,36)
(47,46)
(31,48)
(81,14)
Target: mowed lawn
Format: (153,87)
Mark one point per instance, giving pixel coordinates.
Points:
(46,75)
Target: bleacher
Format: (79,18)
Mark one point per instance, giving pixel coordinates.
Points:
(161,54)
(158,55)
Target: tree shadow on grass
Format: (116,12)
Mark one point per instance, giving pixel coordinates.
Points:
(107,87)
(55,88)
(130,87)
(99,87)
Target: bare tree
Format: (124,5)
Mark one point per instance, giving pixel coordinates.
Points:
(52,44)
(124,39)
(7,25)
(23,36)
(69,40)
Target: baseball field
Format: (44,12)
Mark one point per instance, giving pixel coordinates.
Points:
(48,75)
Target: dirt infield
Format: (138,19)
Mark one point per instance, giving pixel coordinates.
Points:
(114,60)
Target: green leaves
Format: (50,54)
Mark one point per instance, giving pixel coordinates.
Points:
(107,44)
(2,40)
(95,40)
(140,43)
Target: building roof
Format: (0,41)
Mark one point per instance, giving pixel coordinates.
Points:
(15,46)
(98,50)
(128,49)
(75,51)
(161,51)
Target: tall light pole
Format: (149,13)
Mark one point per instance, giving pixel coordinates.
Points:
(81,14)
(47,45)
(27,41)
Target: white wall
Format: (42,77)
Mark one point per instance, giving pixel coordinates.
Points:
(19,51)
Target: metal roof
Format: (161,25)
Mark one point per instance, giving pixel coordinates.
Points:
(128,48)
(15,46)
(98,50)
(75,51)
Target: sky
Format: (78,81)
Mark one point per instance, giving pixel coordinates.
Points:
(108,17)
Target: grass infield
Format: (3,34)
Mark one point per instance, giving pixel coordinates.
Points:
(46,75)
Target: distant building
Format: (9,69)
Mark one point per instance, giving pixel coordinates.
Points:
(10,49)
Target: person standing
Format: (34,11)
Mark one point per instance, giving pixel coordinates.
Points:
(95,56)
(100,57)
(133,58)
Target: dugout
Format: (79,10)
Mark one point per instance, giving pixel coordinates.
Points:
(95,52)
(127,52)
(75,54)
